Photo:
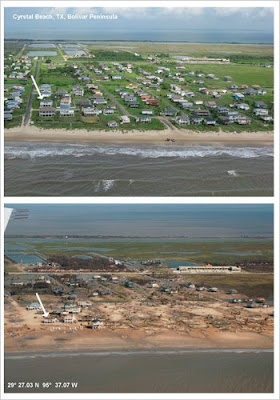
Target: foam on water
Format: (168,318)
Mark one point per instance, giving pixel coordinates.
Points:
(133,352)
(184,152)
(107,184)
(232,172)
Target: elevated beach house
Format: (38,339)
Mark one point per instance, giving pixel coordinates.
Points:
(46,103)
(78,91)
(47,111)
(66,111)
(90,111)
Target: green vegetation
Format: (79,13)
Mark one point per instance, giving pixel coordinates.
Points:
(114,55)
(198,251)
(249,59)
(256,285)
(249,66)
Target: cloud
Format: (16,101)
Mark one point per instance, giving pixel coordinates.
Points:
(55,10)
(130,12)
(80,10)
(248,12)
(227,11)
(182,11)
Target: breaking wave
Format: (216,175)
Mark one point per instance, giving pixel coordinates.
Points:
(107,184)
(40,151)
(232,172)
(17,356)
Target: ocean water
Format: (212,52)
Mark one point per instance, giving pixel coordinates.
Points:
(59,169)
(150,371)
(150,34)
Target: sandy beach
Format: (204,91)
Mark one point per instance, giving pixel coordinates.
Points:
(129,339)
(181,136)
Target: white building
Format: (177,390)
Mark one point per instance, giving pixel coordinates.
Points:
(201,269)
(124,119)
(66,110)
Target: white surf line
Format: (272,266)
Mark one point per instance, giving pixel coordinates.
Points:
(133,352)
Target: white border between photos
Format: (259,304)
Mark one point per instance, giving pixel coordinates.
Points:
(153,200)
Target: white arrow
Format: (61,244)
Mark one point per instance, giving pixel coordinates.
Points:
(36,86)
(41,304)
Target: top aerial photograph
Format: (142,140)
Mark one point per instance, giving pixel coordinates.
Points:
(147,101)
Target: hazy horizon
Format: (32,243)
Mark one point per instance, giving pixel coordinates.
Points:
(188,24)
(195,220)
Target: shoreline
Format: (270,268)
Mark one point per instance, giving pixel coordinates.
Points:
(137,351)
(182,136)
(128,340)
(152,41)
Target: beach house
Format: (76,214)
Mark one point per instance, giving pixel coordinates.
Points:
(46,103)
(69,319)
(66,100)
(47,111)
(89,111)
(113,124)
(124,119)
(144,119)
(78,91)
(66,111)
(182,120)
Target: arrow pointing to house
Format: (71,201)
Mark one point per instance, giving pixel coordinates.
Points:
(41,304)
(36,86)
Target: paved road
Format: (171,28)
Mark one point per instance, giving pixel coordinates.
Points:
(29,105)
(163,119)
(167,123)
(110,96)
(115,101)
(20,52)
(71,272)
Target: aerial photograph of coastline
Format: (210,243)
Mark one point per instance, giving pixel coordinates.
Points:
(148,101)
(138,298)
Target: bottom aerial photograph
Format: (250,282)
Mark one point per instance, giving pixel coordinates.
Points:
(138,298)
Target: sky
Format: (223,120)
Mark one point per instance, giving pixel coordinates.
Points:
(140,20)
(195,220)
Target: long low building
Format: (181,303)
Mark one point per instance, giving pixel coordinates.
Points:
(205,60)
(204,269)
